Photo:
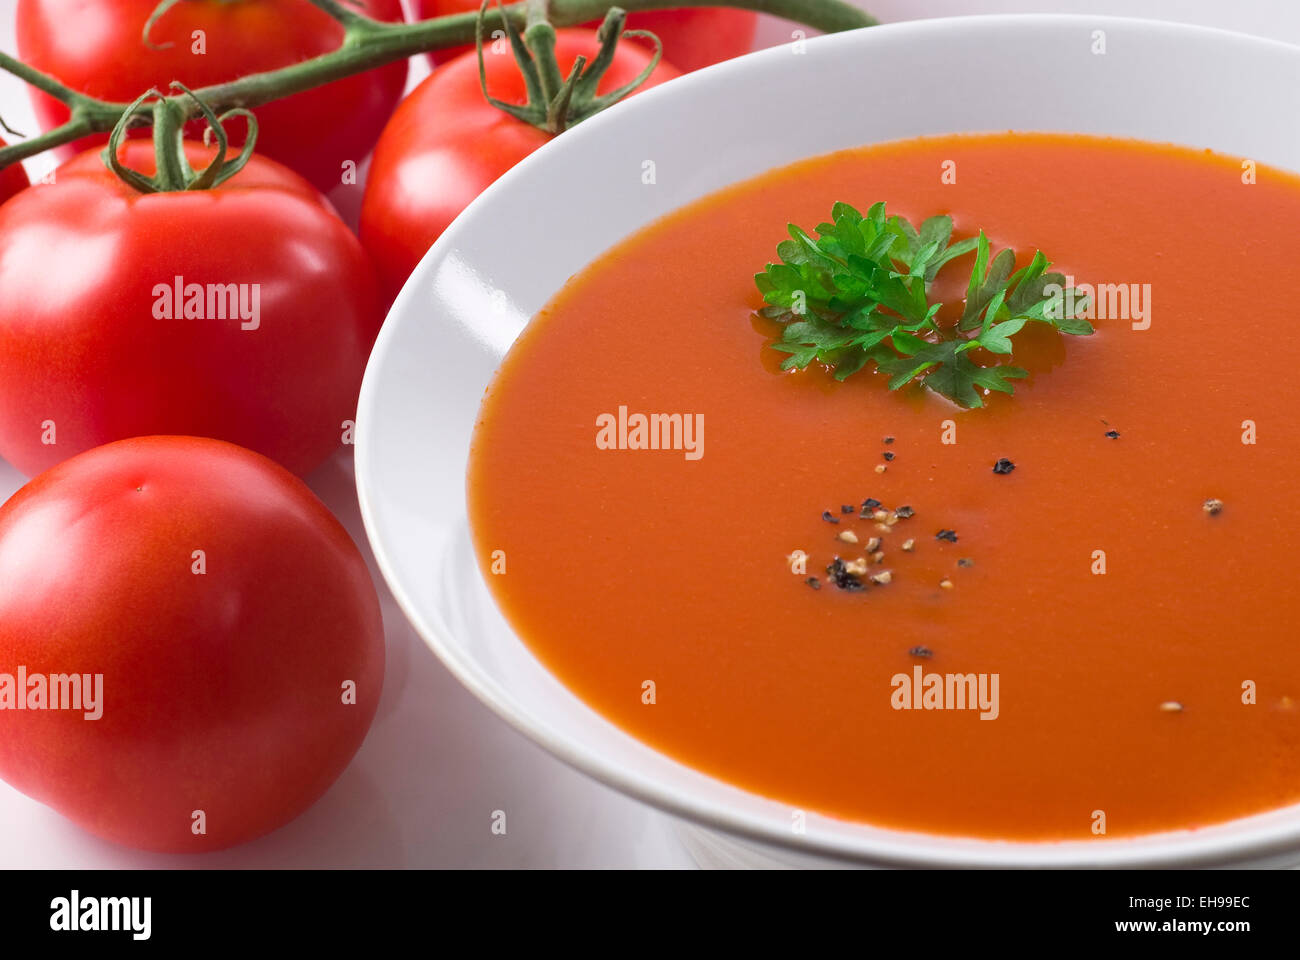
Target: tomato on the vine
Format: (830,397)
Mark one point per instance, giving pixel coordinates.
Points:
(693,37)
(446,144)
(244,312)
(223,632)
(97,47)
(12,179)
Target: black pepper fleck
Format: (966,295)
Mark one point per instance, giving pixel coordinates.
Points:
(871,503)
(904,512)
(887,455)
(925,652)
(965,562)
(814,583)
(1003,466)
(830,517)
(846,508)
(1112,434)
(949,535)
(889,439)
(841,577)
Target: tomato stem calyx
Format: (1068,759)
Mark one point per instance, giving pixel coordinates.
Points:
(173,169)
(556,102)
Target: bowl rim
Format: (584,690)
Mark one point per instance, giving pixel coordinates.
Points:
(1211,845)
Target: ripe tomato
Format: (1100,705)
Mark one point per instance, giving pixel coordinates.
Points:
(12,179)
(95,46)
(88,274)
(446,144)
(225,609)
(692,38)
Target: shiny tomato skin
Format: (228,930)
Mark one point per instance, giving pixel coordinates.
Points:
(87,355)
(12,179)
(693,38)
(95,47)
(222,690)
(445,145)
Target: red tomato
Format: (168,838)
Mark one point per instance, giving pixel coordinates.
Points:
(692,38)
(223,671)
(12,179)
(88,354)
(446,144)
(95,46)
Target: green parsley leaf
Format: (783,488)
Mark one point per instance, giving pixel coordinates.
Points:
(857,294)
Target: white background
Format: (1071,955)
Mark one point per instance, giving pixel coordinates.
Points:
(423,788)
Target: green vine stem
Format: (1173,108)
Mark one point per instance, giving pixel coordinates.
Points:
(367,44)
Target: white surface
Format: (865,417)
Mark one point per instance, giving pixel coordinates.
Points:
(437,763)
(493,270)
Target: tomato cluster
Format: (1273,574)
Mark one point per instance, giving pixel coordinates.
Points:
(176,345)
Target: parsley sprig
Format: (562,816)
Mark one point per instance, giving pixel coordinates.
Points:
(858,293)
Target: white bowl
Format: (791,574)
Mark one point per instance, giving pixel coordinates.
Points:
(521,240)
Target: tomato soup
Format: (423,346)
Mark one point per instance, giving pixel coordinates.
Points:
(1095,639)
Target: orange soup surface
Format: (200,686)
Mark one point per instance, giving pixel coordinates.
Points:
(1143,645)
